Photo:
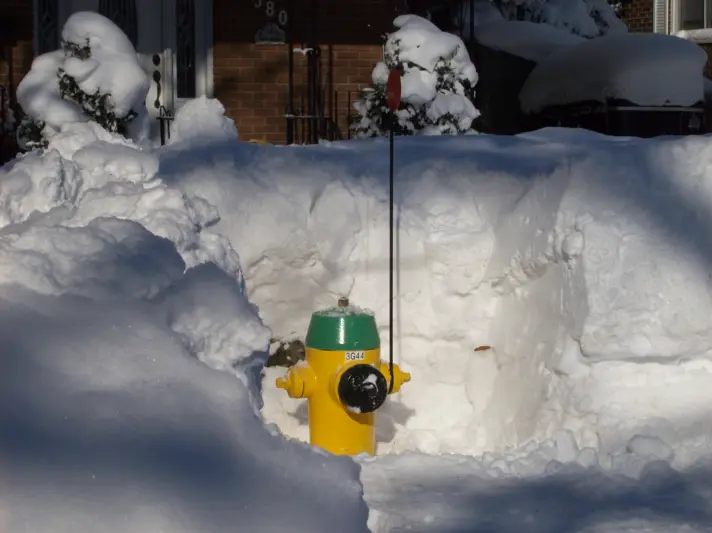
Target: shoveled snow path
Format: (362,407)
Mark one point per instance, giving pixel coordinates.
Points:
(453,494)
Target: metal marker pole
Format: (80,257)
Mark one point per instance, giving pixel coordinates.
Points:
(393,100)
(391,254)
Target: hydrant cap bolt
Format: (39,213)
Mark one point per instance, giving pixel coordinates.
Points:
(342,329)
(362,389)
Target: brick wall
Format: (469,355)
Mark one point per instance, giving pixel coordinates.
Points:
(252,80)
(708,67)
(16,52)
(638,15)
(15,40)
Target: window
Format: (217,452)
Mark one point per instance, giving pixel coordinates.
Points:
(47,26)
(185,48)
(123,14)
(695,14)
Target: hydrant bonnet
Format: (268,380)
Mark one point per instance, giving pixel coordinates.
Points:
(343,329)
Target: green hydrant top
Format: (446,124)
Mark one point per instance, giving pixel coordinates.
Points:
(343,328)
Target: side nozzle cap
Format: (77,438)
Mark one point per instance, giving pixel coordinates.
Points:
(299,382)
(399,377)
(362,388)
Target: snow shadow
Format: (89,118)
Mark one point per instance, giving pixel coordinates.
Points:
(107,424)
(566,502)
(578,502)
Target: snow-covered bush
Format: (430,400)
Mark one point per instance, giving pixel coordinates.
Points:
(588,18)
(95,76)
(438,84)
(616,5)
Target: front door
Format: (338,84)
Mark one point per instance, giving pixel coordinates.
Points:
(172,38)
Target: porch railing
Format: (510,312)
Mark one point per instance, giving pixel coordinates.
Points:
(332,125)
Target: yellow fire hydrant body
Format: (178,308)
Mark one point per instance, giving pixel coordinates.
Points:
(343,379)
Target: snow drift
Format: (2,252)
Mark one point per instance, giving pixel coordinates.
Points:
(131,352)
(130,360)
(580,259)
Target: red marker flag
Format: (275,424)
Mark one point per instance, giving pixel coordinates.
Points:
(393,90)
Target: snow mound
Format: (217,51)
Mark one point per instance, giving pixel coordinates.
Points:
(202,118)
(581,260)
(90,216)
(645,69)
(131,361)
(115,426)
(528,40)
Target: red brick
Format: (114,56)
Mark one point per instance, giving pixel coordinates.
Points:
(638,15)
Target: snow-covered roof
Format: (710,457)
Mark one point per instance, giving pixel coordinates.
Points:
(525,39)
(646,69)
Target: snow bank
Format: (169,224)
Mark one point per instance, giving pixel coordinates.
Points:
(646,69)
(455,493)
(79,215)
(131,361)
(529,40)
(580,260)
(115,426)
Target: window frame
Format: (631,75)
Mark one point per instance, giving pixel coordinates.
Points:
(675,9)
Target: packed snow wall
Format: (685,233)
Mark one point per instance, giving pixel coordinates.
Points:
(580,260)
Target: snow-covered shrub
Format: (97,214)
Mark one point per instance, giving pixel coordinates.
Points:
(588,18)
(438,84)
(617,6)
(95,76)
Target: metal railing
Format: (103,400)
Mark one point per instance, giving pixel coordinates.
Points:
(332,125)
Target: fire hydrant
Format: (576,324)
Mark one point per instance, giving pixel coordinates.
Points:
(343,379)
